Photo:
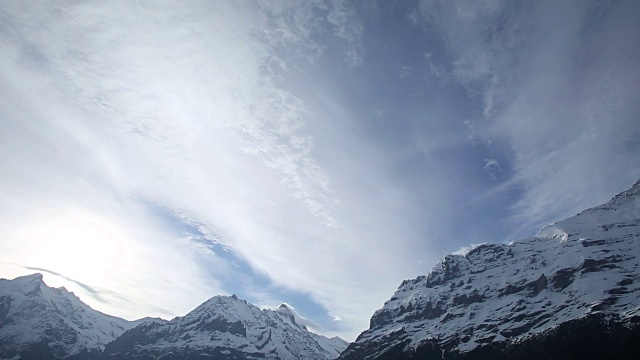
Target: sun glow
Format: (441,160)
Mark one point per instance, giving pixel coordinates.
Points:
(78,244)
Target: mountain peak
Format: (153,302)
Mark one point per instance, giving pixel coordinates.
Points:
(452,266)
(29,285)
(32,314)
(226,327)
(35,277)
(288,311)
(633,191)
(578,268)
(629,197)
(224,300)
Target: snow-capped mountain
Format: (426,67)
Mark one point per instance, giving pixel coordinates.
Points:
(225,327)
(40,322)
(578,274)
(334,346)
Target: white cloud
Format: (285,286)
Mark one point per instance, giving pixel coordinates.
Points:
(334,317)
(465,249)
(348,27)
(492,167)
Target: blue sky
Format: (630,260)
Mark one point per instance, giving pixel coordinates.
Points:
(317,153)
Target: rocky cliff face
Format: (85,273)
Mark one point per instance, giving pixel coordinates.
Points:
(39,322)
(581,270)
(225,327)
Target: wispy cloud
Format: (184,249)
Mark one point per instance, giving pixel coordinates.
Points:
(558,84)
(110,107)
(110,299)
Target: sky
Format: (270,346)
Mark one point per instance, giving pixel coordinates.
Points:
(154,154)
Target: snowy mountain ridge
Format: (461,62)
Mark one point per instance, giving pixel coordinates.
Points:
(38,319)
(40,322)
(585,265)
(226,327)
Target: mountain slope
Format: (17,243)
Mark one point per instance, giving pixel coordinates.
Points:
(334,346)
(577,272)
(225,327)
(40,322)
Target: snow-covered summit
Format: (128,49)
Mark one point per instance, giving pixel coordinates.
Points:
(43,322)
(285,308)
(35,278)
(226,327)
(587,264)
